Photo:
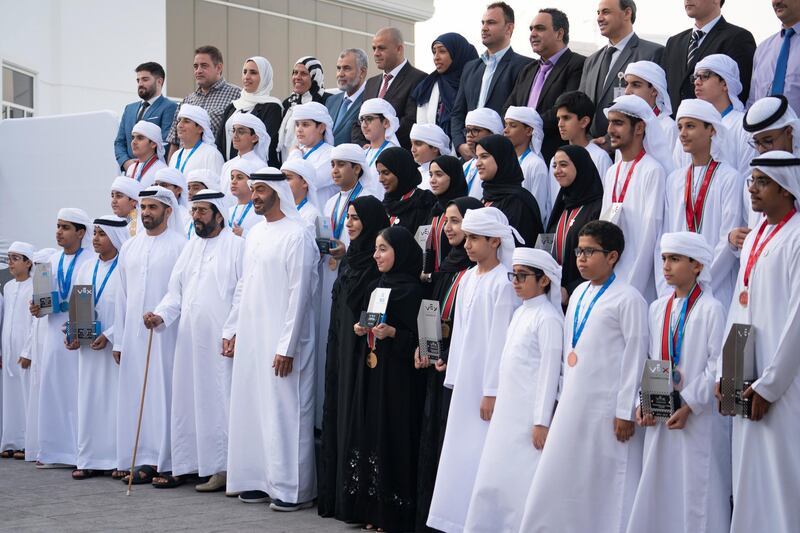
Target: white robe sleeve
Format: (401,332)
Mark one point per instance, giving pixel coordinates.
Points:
(640,271)
(502,312)
(120,303)
(699,392)
(551,338)
(633,318)
(455,342)
(299,262)
(169,308)
(229,329)
(724,261)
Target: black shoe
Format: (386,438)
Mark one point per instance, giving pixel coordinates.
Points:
(286,507)
(254,496)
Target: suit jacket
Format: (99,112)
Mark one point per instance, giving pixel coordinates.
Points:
(161,113)
(399,95)
(344,131)
(636,50)
(565,76)
(724,38)
(469,89)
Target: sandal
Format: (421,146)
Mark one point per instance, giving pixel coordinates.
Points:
(119,474)
(166,481)
(19,454)
(144,475)
(86,473)
(7,454)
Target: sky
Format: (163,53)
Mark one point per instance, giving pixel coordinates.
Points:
(655,20)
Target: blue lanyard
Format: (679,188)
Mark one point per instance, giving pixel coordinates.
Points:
(675,353)
(189,233)
(301,204)
(470,180)
(727,110)
(65,283)
(577,330)
(180,155)
(380,149)
(241,218)
(305,156)
(337,230)
(524,155)
(99,293)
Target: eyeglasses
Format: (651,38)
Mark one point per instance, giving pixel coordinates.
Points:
(241,131)
(472,131)
(519,276)
(366,119)
(588,252)
(703,76)
(758,183)
(767,143)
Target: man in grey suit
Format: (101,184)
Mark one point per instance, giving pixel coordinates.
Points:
(603,71)
(351,75)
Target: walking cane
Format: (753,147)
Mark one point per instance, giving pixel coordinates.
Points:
(141,409)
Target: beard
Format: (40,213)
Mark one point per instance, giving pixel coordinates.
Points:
(151,222)
(146,93)
(203,230)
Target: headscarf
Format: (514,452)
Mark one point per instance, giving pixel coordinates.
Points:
(215,198)
(253,122)
(727,69)
(433,135)
(173,176)
(166,197)
(655,141)
(491,222)
(116,228)
(315,94)
(199,116)
(531,257)
(276,180)
(407,256)
(458,184)
(247,101)
(457,258)
(401,163)
(22,248)
(587,187)
(152,132)
(694,246)
(305,170)
(246,165)
(461,52)
(773,113)
(350,152)
(529,117)
(127,186)
(783,168)
(486,118)
(706,112)
(78,216)
(655,76)
(316,112)
(204,176)
(379,106)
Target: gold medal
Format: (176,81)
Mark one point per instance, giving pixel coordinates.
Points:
(743,298)
(572,359)
(332,263)
(372,360)
(445,330)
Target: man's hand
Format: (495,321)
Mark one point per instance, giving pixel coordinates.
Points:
(679,417)
(100,342)
(34,310)
(623,429)
(282,365)
(117,356)
(736,237)
(466,152)
(24,362)
(644,420)
(237,229)
(603,142)
(73,345)
(152,320)
(338,251)
(383,331)
(127,164)
(487,407)
(539,436)
(760,406)
(228,345)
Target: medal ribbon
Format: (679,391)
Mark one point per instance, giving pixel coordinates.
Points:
(577,329)
(65,282)
(524,155)
(450,297)
(755,251)
(380,149)
(300,205)
(314,149)
(405,198)
(621,198)
(145,168)
(180,155)
(189,233)
(438,229)
(467,174)
(99,293)
(244,214)
(672,341)
(694,212)
(564,224)
(338,226)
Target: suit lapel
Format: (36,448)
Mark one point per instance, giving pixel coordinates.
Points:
(560,65)
(397,81)
(498,72)
(622,59)
(712,36)
(348,116)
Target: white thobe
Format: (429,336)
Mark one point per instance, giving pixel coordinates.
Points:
(145,264)
(199,299)
(529,370)
(98,376)
(586,479)
(206,156)
(425,175)
(370,177)
(320,159)
(148,178)
(17,322)
(310,214)
(34,350)
(484,308)
(271,437)
(720,215)
(641,220)
(474,183)
(241,215)
(58,393)
(669,127)
(536,179)
(601,161)
(766,465)
(685,483)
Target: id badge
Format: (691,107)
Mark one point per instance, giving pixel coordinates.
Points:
(613,213)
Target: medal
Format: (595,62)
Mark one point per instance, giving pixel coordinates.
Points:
(756,251)
(676,376)
(743,298)
(445,330)
(63,306)
(372,360)
(672,340)
(572,359)
(332,263)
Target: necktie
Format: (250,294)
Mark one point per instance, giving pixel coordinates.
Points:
(142,109)
(385,86)
(538,83)
(783,60)
(694,42)
(605,66)
(342,112)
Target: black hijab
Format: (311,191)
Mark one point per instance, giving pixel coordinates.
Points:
(458,184)
(401,163)
(358,267)
(457,259)
(403,278)
(587,186)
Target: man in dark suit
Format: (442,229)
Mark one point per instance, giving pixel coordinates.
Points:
(711,34)
(558,71)
(152,107)
(399,78)
(488,80)
(601,71)
(343,107)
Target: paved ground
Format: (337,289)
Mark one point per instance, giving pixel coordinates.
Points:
(49,500)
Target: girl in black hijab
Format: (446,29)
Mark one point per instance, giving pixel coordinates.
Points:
(447,183)
(578,202)
(444,288)
(501,177)
(366,218)
(379,486)
(405,204)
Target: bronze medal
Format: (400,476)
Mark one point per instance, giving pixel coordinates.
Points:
(445,330)
(372,360)
(572,359)
(332,263)
(743,298)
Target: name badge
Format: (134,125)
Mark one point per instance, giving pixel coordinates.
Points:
(613,213)
(619,90)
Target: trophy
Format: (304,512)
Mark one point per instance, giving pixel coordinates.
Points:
(378,301)
(546,242)
(82,324)
(429,324)
(657,396)
(424,238)
(738,370)
(43,294)
(324,236)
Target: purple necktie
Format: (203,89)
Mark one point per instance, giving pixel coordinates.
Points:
(538,83)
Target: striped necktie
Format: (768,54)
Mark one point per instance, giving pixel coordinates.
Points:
(694,43)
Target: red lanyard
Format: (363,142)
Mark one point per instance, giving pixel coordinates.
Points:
(405,197)
(564,224)
(145,168)
(371,339)
(621,198)
(438,229)
(450,297)
(694,212)
(677,336)
(755,251)
(487,204)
